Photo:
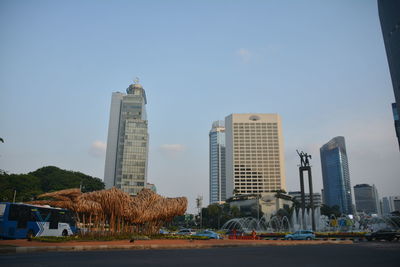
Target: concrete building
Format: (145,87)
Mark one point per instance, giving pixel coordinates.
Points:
(152,187)
(394,203)
(335,175)
(254,154)
(367,199)
(317,198)
(217,163)
(389,14)
(391,204)
(127,143)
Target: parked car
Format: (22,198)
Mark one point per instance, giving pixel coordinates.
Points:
(383,234)
(185,232)
(163,231)
(301,235)
(209,233)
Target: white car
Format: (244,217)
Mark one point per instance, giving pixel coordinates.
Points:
(185,232)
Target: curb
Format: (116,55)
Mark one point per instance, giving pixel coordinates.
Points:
(152,246)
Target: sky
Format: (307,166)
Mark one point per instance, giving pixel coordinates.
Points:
(321,65)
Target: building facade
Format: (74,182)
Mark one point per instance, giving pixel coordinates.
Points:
(127,143)
(254,154)
(389,14)
(217,163)
(317,198)
(367,199)
(385,206)
(335,175)
(390,204)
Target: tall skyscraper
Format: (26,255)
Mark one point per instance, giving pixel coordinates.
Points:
(367,199)
(127,143)
(217,163)
(389,14)
(254,154)
(385,206)
(335,175)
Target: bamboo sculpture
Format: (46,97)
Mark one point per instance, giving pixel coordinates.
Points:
(114,211)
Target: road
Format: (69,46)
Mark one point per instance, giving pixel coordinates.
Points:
(360,254)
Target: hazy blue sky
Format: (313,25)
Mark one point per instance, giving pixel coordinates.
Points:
(320,64)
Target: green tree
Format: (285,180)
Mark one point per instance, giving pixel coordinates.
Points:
(26,187)
(43,180)
(53,179)
(330,210)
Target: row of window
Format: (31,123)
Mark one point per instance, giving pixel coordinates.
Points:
(255,124)
(131,183)
(133,176)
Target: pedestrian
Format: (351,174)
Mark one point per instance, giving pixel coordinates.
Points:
(254,234)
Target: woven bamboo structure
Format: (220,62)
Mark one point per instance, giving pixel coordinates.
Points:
(115,211)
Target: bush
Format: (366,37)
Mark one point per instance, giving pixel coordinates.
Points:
(90,237)
(113,237)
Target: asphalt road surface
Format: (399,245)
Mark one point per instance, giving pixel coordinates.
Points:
(361,254)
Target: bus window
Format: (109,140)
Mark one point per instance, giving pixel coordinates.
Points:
(54,219)
(44,214)
(2,209)
(67,217)
(21,214)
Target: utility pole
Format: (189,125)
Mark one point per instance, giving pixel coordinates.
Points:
(15,194)
(258,208)
(199,203)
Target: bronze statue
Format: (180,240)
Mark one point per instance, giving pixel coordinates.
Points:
(304,162)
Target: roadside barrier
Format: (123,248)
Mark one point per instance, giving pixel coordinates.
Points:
(244,237)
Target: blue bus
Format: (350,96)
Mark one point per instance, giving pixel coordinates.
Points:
(19,220)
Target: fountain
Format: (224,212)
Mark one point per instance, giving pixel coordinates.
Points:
(344,223)
(248,224)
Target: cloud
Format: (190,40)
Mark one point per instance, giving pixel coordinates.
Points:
(172,147)
(97,149)
(244,54)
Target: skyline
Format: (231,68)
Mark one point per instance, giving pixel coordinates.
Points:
(322,67)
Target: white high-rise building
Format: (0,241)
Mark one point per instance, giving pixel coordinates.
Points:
(254,154)
(217,163)
(127,143)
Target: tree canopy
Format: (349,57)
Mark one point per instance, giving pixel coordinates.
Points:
(330,210)
(43,180)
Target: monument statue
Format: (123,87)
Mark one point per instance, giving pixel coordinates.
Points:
(304,162)
(305,167)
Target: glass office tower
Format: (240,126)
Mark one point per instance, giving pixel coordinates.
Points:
(389,15)
(335,175)
(396,121)
(217,163)
(127,143)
